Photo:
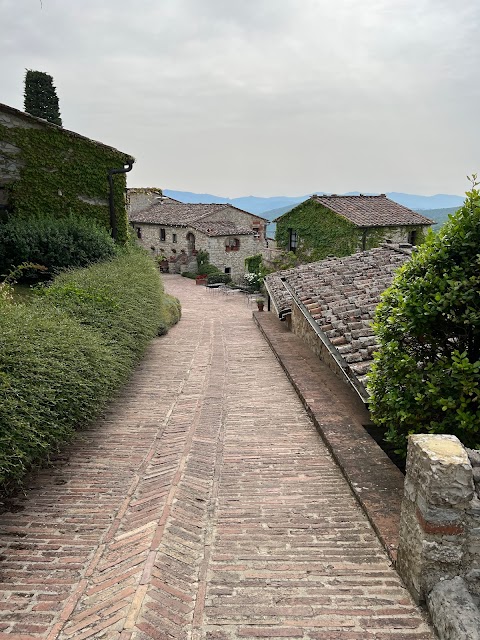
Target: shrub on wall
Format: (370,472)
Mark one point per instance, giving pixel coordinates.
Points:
(63,354)
(426,374)
(56,243)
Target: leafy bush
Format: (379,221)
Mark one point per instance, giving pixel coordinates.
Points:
(426,374)
(55,243)
(214,278)
(189,274)
(64,354)
(203,264)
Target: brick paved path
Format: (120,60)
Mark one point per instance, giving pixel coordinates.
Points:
(204,505)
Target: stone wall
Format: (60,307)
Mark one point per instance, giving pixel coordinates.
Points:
(440,520)
(216,246)
(301,327)
(138,199)
(150,237)
(233,260)
(241,219)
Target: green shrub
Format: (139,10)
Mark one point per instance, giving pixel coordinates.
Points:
(55,243)
(189,274)
(214,278)
(426,374)
(63,354)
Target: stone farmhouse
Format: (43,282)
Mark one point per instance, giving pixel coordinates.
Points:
(179,230)
(334,225)
(330,305)
(46,169)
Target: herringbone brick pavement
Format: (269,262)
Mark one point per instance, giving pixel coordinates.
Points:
(202,506)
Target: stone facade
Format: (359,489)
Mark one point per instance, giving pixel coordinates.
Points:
(179,240)
(138,199)
(440,521)
(172,229)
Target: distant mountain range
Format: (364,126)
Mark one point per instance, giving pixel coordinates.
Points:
(275,206)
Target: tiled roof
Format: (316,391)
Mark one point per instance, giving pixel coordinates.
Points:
(372,211)
(223,228)
(174,213)
(340,295)
(179,214)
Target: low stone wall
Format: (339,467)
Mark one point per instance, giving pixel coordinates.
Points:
(439,548)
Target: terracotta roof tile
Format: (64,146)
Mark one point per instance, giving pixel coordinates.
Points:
(372,211)
(180,214)
(343,293)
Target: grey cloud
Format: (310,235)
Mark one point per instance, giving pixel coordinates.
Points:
(262,95)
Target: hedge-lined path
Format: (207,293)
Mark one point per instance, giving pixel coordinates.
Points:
(204,505)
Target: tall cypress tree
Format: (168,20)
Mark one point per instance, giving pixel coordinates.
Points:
(41,96)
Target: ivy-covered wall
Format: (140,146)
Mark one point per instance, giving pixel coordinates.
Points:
(322,233)
(56,172)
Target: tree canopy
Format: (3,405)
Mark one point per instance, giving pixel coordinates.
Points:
(41,96)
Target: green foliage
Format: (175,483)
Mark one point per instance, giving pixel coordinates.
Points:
(253,264)
(215,278)
(56,243)
(64,354)
(426,374)
(203,258)
(64,174)
(322,233)
(41,97)
(189,274)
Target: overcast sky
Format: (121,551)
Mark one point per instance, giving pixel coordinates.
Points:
(262,97)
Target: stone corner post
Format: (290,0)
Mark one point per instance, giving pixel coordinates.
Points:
(434,519)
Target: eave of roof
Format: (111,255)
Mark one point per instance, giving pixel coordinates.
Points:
(51,125)
(361,210)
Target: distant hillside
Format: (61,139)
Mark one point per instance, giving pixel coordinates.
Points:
(267,206)
(439,215)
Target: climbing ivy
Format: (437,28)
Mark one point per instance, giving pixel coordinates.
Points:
(57,168)
(322,233)
(253,264)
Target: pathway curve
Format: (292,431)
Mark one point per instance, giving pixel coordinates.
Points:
(203,505)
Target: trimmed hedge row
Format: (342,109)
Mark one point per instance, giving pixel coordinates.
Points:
(64,354)
(55,243)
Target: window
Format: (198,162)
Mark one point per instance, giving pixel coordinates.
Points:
(139,232)
(412,237)
(228,269)
(163,235)
(174,237)
(233,244)
(292,241)
(256,232)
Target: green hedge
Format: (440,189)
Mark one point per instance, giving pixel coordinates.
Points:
(426,374)
(63,354)
(56,243)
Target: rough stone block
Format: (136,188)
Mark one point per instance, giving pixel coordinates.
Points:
(453,611)
(439,468)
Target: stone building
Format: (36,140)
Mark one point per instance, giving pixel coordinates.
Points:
(324,226)
(330,305)
(179,230)
(46,169)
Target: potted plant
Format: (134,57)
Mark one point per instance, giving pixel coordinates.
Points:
(201,279)
(260,303)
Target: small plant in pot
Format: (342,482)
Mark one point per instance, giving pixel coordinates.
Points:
(260,303)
